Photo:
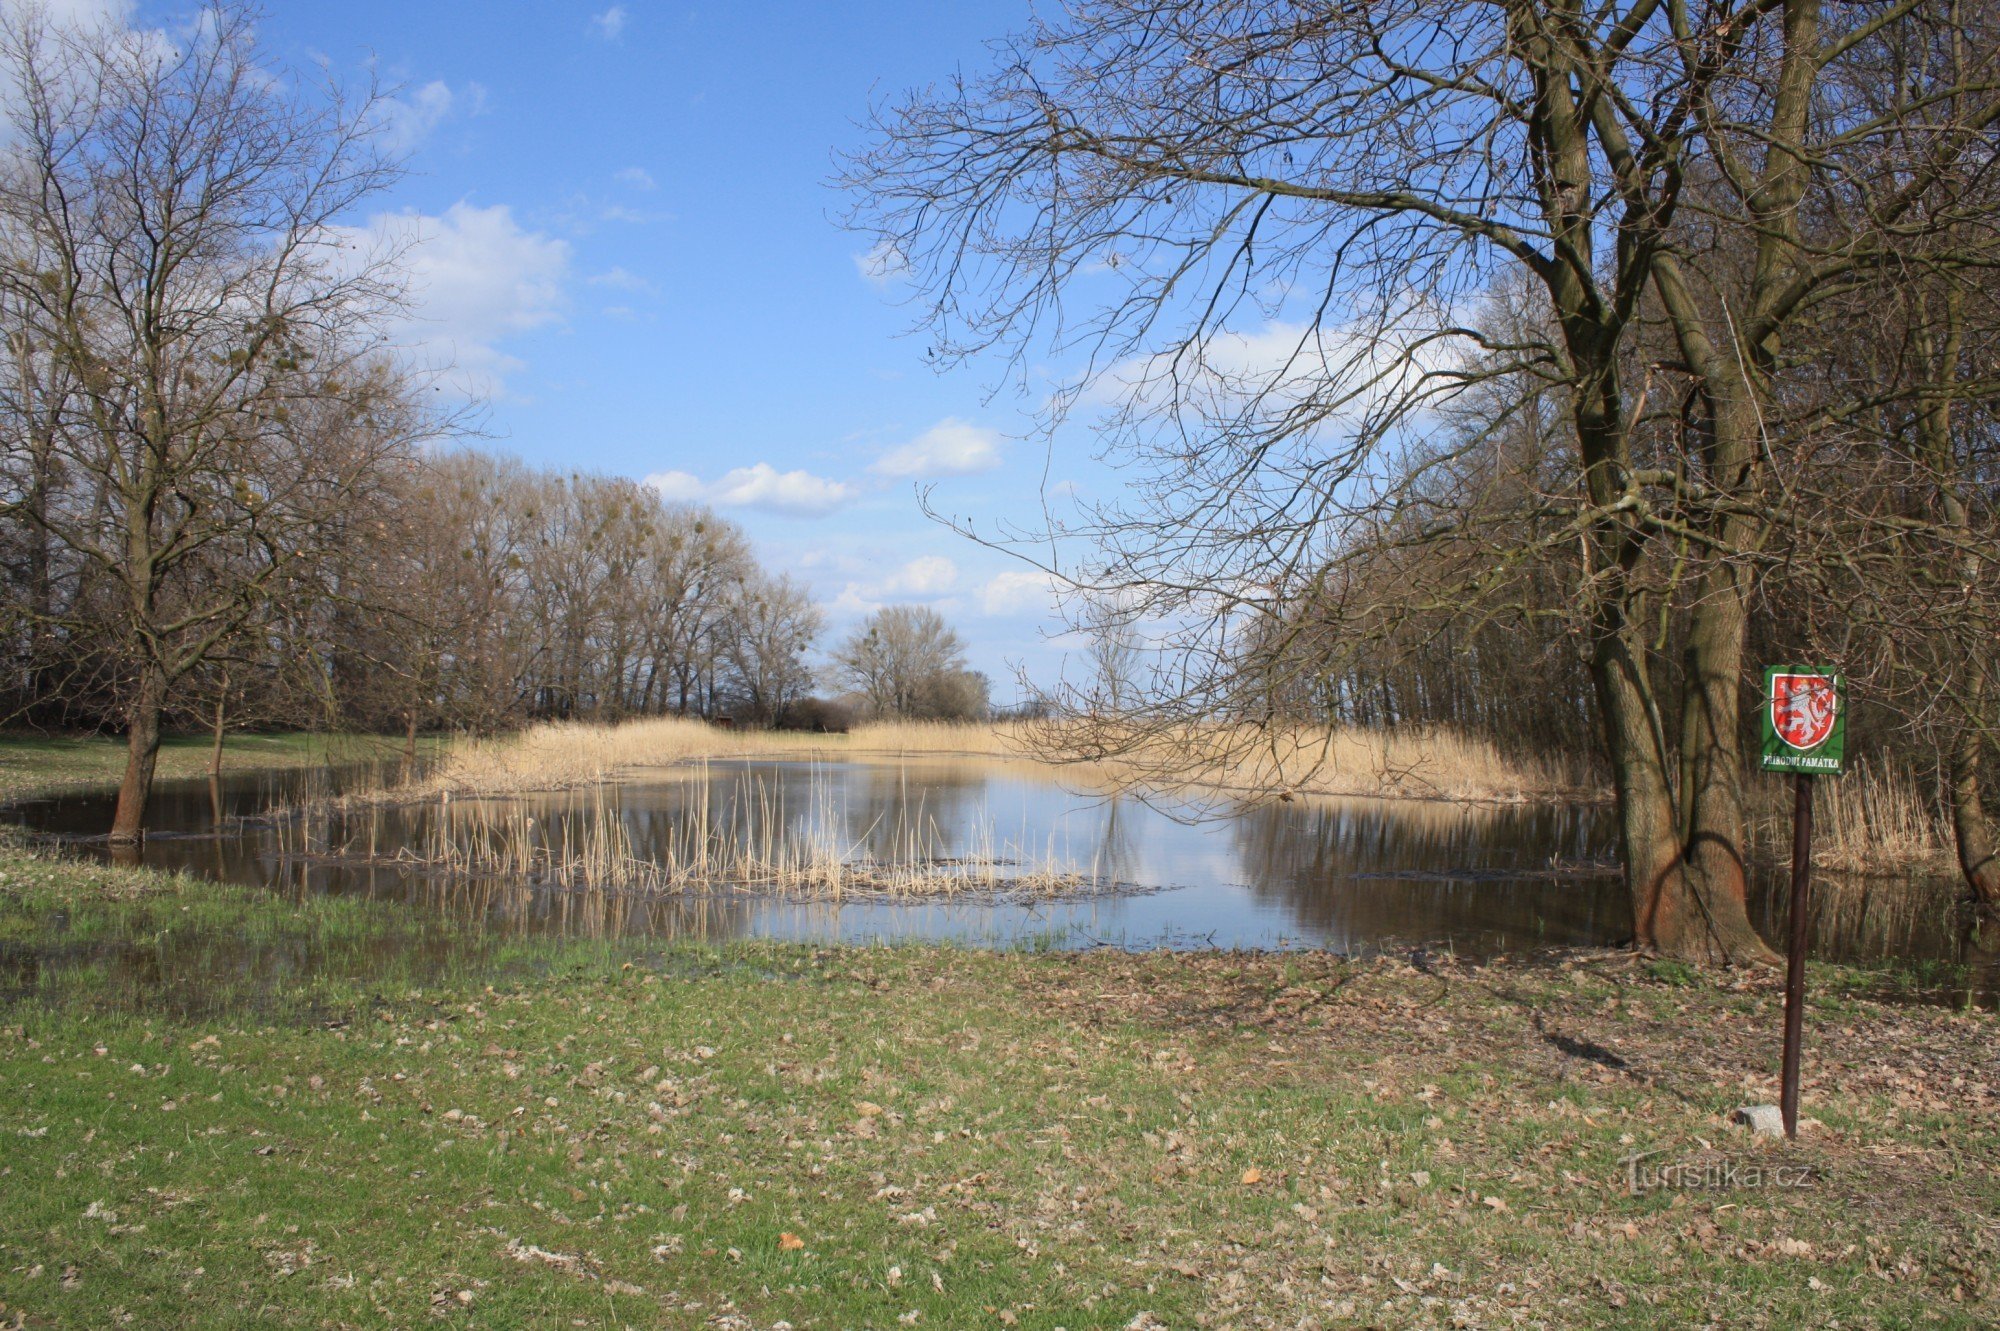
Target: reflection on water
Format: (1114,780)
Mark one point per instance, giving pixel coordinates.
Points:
(1352,875)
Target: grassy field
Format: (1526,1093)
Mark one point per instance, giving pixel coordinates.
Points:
(33,764)
(224,1109)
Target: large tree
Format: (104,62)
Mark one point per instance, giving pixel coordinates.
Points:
(1272,232)
(192,335)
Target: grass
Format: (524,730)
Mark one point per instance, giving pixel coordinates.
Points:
(489,1133)
(33,764)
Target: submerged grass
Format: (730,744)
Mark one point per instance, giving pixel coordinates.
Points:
(750,1134)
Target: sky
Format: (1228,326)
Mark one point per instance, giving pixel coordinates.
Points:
(630,253)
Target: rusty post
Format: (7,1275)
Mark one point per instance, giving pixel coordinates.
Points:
(1795,956)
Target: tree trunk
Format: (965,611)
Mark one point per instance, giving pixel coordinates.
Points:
(1649,839)
(410,740)
(1978,849)
(142,752)
(1972,830)
(1717,922)
(215,753)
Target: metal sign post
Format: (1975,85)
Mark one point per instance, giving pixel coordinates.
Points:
(1795,953)
(1804,710)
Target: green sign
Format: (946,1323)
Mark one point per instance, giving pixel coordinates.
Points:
(1805,720)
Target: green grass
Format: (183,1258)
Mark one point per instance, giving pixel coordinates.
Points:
(228,1109)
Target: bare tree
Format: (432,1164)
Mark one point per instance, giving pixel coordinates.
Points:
(896,659)
(1273,232)
(1111,650)
(191,326)
(764,638)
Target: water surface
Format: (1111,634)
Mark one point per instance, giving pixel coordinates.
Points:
(1355,876)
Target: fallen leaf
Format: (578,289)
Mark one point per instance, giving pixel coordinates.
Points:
(1252,1176)
(790,1242)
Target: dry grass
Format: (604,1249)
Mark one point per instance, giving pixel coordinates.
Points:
(1873,820)
(1241,761)
(559,755)
(1414,763)
(562,755)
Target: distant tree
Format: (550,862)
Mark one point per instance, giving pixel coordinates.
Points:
(897,657)
(765,635)
(1112,656)
(953,695)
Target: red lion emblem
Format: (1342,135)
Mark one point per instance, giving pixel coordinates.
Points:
(1803,708)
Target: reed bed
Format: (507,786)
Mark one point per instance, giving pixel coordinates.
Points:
(1410,763)
(1876,819)
(757,843)
(1415,762)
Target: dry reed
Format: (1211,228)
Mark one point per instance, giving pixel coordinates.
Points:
(1242,761)
(1411,763)
(1874,820)
(763,846)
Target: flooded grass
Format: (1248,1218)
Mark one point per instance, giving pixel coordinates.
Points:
(33,764)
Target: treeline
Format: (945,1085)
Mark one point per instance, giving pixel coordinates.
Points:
(223,500)
(499,593)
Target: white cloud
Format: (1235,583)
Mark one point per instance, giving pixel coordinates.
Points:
(638,177)
(476,279)
(1022,590)
(882,264)
(83,14)
(410,119)
(927,575)
(610,25)
(952,447)
(794,493)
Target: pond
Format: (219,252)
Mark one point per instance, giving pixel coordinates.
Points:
(1355,876)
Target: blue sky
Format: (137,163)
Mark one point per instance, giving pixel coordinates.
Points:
(631,253)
